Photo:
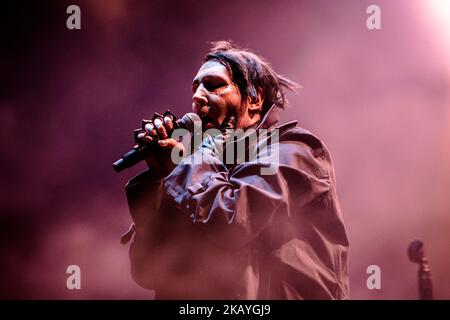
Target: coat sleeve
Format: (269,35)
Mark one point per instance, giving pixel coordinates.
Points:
(233,206)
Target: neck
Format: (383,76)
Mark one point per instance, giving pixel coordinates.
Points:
(247,122)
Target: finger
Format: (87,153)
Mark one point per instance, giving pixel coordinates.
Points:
(161,129)
(168,123)
(150,129)
(170,143)
(144,137)
(140,136)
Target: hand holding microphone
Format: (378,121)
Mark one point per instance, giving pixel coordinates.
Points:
(154,144)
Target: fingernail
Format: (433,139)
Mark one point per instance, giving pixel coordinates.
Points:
(148,127)
(157,123)
(167,119)
(162,142)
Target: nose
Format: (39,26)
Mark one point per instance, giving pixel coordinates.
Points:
(199,99)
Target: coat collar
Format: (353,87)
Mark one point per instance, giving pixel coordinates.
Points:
(269,120)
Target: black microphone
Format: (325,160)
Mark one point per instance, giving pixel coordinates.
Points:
(189,121)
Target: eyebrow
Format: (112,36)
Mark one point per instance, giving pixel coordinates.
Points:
(208,77)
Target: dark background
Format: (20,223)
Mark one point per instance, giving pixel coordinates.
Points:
(69,100)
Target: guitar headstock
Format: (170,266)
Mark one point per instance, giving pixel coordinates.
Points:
(416,251)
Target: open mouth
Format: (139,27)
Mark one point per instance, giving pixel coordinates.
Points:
(208,122)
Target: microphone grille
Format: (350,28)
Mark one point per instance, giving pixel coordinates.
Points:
(190,121)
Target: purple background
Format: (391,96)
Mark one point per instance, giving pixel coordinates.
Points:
(70,99)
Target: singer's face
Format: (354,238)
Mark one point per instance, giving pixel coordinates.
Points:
(215,95)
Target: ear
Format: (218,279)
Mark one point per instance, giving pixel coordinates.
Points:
(255,106)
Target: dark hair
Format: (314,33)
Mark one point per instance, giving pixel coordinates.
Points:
(252,73)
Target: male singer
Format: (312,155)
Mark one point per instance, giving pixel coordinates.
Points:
(221,230)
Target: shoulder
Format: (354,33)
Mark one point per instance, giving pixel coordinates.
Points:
(301,147)
(290,132)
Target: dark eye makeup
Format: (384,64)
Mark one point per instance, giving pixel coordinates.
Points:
(210,84)
(213,85)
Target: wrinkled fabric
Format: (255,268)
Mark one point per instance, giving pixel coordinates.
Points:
(216,231)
